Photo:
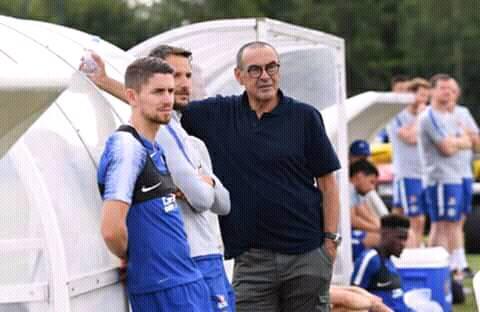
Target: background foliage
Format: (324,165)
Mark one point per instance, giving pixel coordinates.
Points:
(383,37)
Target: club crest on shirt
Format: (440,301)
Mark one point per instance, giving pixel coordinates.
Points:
(451,212)
(397,293)
(452,201)
(413,199)
(169,203)
(221,302)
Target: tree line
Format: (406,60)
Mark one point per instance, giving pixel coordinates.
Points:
(383,37)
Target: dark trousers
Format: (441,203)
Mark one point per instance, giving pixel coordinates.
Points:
(266,281)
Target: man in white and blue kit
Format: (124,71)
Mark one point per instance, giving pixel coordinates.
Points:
(408,190)
(141,221)
(200,191)
(440,142)
(465,120)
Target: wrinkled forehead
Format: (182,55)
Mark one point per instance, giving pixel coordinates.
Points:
(259,55)
(179,63)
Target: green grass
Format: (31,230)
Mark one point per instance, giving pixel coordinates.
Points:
(469,305)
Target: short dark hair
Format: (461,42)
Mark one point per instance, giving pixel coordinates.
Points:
(252,44)
(394,221)
(398,78)
(163,51)
(141,70)
(439,77)
(364,166)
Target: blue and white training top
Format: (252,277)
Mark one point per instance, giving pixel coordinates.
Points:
(464,118)
(435,126)
(158,253)
(380,277)
(406,160)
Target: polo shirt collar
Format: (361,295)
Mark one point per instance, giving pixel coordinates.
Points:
(282,101)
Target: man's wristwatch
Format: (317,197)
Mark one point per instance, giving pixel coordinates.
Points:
(335,237)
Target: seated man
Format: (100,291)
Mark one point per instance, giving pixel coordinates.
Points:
(375,272)
(365,223)
(360,150)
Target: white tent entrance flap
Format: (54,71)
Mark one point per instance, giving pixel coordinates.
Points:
(54,123)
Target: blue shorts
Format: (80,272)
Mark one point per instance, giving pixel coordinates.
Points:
(409,195)
(191,297)
(467,195)
(357,243)
(222,296)
(445,202)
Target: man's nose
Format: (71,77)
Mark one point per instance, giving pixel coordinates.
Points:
(264,75)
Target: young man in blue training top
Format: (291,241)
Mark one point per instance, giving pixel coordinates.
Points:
(200,192)
(375,272)
(141,221)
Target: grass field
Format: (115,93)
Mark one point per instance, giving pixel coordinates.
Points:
(469,305)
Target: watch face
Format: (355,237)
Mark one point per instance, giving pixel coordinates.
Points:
(335,237)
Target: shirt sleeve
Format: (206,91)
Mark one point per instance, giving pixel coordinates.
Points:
(320,155)
(432,127)
(365,268)
(394,125)
(355,198)
(197,116)
(470,122)
(121,164)
(199,194)
(221,204)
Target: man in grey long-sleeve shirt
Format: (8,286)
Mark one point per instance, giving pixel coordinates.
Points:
(188,161)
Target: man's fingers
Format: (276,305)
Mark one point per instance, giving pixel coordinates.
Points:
(98,59)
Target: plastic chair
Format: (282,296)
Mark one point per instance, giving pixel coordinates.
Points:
(420,300)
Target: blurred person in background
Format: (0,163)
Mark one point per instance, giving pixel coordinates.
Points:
(465,120)
(441,141)
(360,150)
(408,195)
(365,223)
(398,84)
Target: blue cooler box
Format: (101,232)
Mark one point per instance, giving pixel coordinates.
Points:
(427,268)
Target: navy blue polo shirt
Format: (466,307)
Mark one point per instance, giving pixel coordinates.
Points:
(268,165)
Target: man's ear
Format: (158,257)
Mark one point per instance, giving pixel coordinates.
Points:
(131,96)
(238,75)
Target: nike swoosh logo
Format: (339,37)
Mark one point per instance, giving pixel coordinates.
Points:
(149,188)
(379,284)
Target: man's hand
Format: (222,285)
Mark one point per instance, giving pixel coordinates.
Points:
(179,195)
(331,248)
(123,269)
(208,180)
(99,76)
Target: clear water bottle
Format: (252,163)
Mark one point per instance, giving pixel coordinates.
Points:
(89,65)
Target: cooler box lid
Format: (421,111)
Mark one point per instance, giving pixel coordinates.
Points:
(414,258)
